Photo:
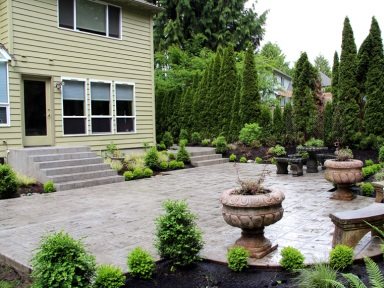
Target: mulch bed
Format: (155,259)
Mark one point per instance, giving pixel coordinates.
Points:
(35,188)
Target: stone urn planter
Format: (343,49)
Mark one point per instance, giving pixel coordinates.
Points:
(252,213)
(343,174)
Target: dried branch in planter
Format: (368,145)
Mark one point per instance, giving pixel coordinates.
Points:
(250,186)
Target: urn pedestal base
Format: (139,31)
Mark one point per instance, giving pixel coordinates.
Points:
(255,242)
(343,193)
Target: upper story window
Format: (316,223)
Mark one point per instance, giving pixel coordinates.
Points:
(90,16)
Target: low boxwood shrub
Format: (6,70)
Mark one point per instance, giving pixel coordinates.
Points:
(173,165)
(232,158)
(250,133)
(368,162)
(151,158)
(184,135)
(243,159)
(313,142)
(180,165)
(277,150)
(206,142)
(237,258)
(163,165)
(167,139)
(61,261)
(147,172)
(291,258)
(140,263)
(178,239)
(258,160)
(221,145)
(371,170)
(183,155)
(109,276)
(195,138)
(138,173)
(341,257)
(128,175)
(367,189)
(49,187)
(161,146)
(8,182)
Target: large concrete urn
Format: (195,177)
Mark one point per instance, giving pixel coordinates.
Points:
(252,213)
(343,174)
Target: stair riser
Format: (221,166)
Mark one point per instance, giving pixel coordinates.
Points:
(73,170)
(66,156)
(211,162)
(74,162)
(93,182)
(205,157)
(54,150)
(81,176)
(201,153)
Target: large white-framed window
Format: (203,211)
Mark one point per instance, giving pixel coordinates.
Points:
(90,16)
(74,104)
(4,92)
(125,112)
(101,106)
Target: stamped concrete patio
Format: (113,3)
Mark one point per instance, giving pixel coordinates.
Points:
(113,219)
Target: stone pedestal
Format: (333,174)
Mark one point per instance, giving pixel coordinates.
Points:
(255,242)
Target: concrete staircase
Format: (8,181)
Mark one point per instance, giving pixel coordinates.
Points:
(202,156)
(67,167)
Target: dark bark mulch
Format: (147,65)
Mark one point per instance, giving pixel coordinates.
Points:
(35,188)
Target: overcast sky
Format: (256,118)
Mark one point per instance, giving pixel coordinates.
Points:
(316,26)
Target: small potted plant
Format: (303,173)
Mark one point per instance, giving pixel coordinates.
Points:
(343,172)
(252,207)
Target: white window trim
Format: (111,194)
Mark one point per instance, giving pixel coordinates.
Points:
(6,105)
(110,107)
(89,33)
(85,107)
(133,110)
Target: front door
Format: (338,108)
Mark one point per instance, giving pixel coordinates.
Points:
(37,112)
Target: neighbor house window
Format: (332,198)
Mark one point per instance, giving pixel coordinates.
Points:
(125,108)
(4,97)
(74,107)
(101,118)
(90,16)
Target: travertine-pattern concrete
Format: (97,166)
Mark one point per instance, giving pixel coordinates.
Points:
(113,219)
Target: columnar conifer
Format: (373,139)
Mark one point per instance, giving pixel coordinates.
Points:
(235,121)
(328,123)
(278,124)
(214,97)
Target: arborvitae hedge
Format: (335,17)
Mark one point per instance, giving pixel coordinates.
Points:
(214,98)
(278,124)
(328,123)
(235,121)
(335,77)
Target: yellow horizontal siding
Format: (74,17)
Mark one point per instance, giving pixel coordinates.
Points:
(3,22)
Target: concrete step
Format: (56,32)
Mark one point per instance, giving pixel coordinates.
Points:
(63,156)
(211,162)
(82,176)
(207,151)
(205,157)
(75,169)
(88,183)
(70,162)
(53,150)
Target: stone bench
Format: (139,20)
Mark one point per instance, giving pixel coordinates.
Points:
(296,165)
(323,157)
(379,191)
(351,226)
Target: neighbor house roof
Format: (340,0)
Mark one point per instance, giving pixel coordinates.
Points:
(143,5)
(325,80)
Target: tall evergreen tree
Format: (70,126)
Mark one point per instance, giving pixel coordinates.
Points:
(335,77)
(304,106)
(374,111)
(348,88)
(250,97)
(328,124)
(288,124)
(265,122)
(278,124)
(235,121)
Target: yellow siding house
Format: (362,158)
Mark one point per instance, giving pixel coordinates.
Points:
(75,73)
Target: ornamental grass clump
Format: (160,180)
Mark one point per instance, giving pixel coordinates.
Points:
(8,182)
(237,258)
(291,259)
(178,239)
(109,276)
(140,263)
(341,257)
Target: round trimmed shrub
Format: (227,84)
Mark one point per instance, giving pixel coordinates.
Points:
(138,173)
(128,175)
(258,160)
(237,258)
(341,257)
(62,261)
(8,182)
(178,239)
(368,162)
(140,263)
(232,158)
(180,165)
(109,276)
(183,155)
(151,158)
(221,145)
(163,165)
(206,142)
(173,165)
(167,139)
(147,172)
(195,138)
(250,133)
(292,259)
(367,189)
(243,160)
(49,187)
(161,147)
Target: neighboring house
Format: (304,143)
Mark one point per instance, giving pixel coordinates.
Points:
(283,91)
(326,84)
(76,72)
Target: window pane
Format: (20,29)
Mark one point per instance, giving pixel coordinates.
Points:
(3,115)
(125,124)
(124,92)
(124,108)
(100,91)
(74,126)
(73,108)
(3,83)
(73,90)
(114,21)
(101,125)
(66,13)
(91,16)
(100,108)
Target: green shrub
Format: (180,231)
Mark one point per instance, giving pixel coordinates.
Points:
(292,259)
(183,155)
(381,154)
(140,263)
(367,189)
(161,147)
(180,165)
(370,170)
(128,175)
(243,159)
(173,165)
(49,187)
(195,138)
(151,158)
(206,142)
(316,276)
(368,162)
(221,145)
(163,165)
(61,261)
(237,258)
(232,158)
(341,257)
(171,156)
(278,150)
(184,135)
(314,143)
(258,160)
(178,238)
(7,284)
(250,133)
(138,173)
(109,276)
(167,139)
(148,172)
(8,182)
